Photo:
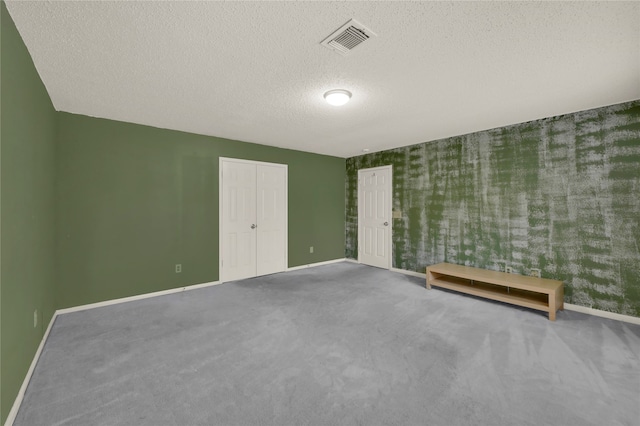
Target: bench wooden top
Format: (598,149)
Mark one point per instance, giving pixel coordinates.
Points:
(522,282)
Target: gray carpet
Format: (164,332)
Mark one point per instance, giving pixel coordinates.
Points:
(342,344)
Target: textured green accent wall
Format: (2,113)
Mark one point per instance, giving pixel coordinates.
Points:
(27,211)
(134,200)
(560,194)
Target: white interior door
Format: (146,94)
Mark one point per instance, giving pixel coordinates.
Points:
(253,218)
(374,216)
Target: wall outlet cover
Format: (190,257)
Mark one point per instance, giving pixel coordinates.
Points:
(178,268)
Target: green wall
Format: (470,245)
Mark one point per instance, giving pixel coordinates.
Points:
(95,209)
(560,194)
(134,200)
(27,211)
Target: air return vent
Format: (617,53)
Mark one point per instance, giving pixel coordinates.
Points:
(348,37)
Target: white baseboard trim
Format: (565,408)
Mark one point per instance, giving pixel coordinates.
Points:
(18,401)
(567,306)
(413,274)
(351,260)
(311,265)
(174,290)
(136,297)
(603,314)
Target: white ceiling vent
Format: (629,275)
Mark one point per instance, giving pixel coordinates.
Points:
(348,37)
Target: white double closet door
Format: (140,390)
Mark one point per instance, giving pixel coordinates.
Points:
(253,218)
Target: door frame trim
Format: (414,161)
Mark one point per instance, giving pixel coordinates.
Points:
(389,207)
(220,198)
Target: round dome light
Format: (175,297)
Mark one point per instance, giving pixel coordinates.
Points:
(337,97)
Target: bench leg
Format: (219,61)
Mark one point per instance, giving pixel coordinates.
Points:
(553,307)
(560,298)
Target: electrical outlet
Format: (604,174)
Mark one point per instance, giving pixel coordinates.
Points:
(311,249)
(35,318)
(535,272)
(178,268)
(508,269)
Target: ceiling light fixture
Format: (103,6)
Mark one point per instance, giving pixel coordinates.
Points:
(337,97)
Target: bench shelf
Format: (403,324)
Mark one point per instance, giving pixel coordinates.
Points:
(530,292)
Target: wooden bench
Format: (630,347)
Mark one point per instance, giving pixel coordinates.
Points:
(531,292)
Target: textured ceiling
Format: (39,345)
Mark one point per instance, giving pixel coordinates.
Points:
(256,72)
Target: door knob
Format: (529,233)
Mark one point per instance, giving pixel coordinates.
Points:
(253,226)
(386,224)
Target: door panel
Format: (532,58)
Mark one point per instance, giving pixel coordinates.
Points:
(272,219)
(375,217)
(238,216)
(381,241)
